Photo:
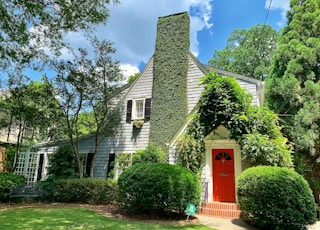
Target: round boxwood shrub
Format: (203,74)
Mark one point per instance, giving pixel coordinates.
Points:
(6,181)
(158,188)
(275,198)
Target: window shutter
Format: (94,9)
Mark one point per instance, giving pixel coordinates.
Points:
(147,108)
(129,110)
(88,166)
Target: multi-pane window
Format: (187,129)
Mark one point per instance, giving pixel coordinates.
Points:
(138,109)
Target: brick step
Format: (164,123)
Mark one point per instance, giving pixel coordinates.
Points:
(219,209)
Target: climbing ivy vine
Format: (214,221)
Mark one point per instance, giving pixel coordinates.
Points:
(257,130)
(169,94)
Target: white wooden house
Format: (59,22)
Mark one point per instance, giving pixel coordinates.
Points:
(223,156)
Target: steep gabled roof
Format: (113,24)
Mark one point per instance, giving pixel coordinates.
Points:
(132,84)
(206,68)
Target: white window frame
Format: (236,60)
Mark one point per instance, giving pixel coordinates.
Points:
(134,108)
(126,164)
(84,160)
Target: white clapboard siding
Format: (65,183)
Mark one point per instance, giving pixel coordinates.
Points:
(194,89)
(251,88)
(130,139)
(86,145)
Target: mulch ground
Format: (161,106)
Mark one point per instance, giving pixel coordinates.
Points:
(111,211)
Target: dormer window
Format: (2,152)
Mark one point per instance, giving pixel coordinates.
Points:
(138,109)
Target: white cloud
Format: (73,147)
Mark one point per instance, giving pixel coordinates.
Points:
(128,70)
(282,5)
(132,26)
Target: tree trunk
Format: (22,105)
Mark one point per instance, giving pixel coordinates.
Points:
(77,157)
(96,146)
(16,155)
(9,128)
(92,163)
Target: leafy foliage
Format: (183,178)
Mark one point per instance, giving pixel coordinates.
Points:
(259,149)
(9,158)
(158,188)
(89,85)
(248,52)
(29,28)
(169,94)
(133,77)
(222,98)
(275,198)
(6,181)
(293,87)
(261,139)
(83,190)
(62,164)
(151,154)
(257,130)
(21,105)
(190,149)
(86,123)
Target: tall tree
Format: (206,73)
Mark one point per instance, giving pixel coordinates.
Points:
(87,87)
(32,107)
(248,52)
(32,32)
(293,89)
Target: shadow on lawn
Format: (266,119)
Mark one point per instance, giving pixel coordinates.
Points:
(109,211)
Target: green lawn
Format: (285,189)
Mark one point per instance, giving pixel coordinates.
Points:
(73,218)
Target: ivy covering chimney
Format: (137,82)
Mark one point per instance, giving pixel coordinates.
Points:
(170,69)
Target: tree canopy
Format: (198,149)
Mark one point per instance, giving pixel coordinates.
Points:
(30,107)
(293,89)
(28,28)
(248,51)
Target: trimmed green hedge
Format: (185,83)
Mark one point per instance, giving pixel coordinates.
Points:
(84,190)
(158,188)
(275,198)
(6,181)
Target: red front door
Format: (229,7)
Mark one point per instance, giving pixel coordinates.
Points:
(223,175)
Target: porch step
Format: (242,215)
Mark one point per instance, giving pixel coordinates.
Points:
(220,209)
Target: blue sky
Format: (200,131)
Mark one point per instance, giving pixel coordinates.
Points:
(132,26)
